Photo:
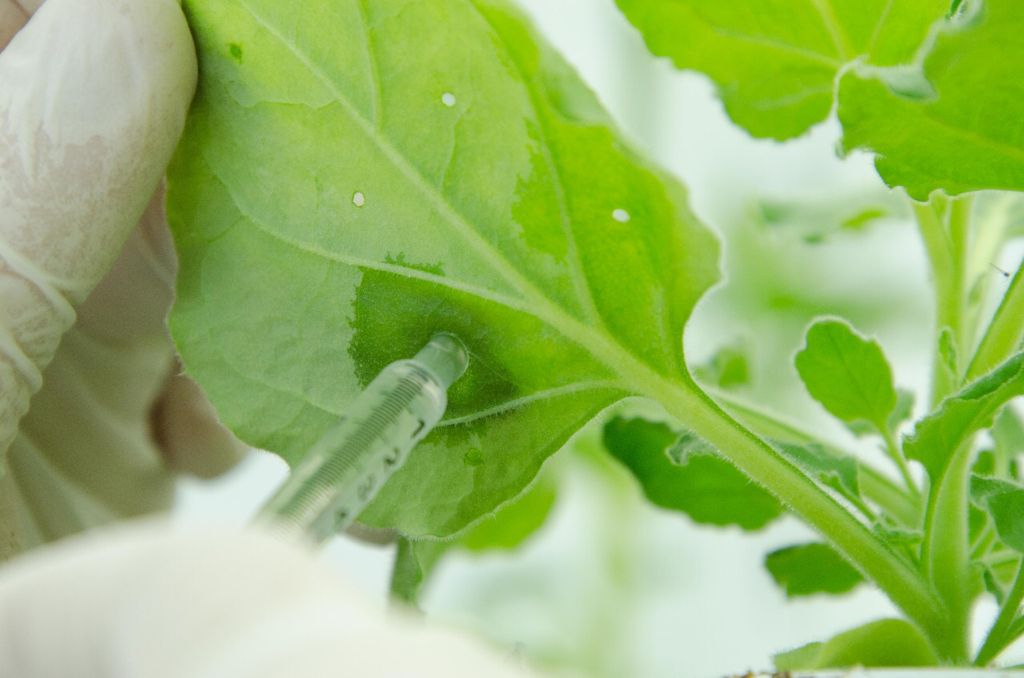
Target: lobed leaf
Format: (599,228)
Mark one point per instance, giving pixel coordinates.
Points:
(937,436)
(962,132)
(357,176)
(847,374)
(775,61)
(682,473)
(806,569)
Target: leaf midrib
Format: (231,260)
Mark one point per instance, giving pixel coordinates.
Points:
(778,45)
(503,300)
(602,346)
(455,219)
(579,278)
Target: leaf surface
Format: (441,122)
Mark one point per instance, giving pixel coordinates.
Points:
(357,176)
(505,529)
(937,436)
(962,132)
(678,471)
(847,374)
(886,642)
(838,471)
(775,61)
(1004,501)
(806,569)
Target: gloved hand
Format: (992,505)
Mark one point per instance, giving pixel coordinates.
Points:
(93,96)
(144,602)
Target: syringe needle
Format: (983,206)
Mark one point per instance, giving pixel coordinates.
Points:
(344,470)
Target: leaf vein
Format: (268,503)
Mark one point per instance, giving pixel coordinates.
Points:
(584,293)
(537,396)
(415,177)
(835,30)
(402,271)
(771,43)
(376,86)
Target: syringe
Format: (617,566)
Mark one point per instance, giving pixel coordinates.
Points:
(344,470)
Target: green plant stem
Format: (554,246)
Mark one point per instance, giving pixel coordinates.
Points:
(947,267)
(1005,331)
(874,485)
(946,548)
(861,506)
(980,546)
(958,225)
(876,560)
(683,399)
(895,452)
(998,637)
(1000,558)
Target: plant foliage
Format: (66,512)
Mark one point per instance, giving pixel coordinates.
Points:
(359,175)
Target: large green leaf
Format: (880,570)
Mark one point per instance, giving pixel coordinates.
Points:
(962,131)
(775,61)
(356,176)
(886,642)
(806,569)
(847,374)
(678,471)
(937,436)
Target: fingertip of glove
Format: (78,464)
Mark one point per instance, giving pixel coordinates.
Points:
(93,98)
(189,434)
(86,68)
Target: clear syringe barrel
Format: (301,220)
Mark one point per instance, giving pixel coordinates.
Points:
(346,468)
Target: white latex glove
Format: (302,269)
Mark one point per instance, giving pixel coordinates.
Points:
(144,602)
(93,96)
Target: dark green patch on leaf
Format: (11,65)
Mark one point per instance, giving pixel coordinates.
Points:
(332,210)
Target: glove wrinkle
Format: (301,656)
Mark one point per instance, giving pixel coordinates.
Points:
(93,97)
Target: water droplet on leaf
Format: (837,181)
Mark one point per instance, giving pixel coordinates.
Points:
(620,215)
(448,99)
(358,199)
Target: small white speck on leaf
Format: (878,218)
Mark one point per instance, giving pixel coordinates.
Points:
(448,99)
(620,215)
(358,199)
